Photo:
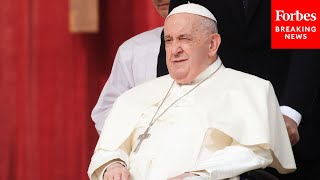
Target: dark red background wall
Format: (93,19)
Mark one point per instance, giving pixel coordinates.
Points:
(50,80)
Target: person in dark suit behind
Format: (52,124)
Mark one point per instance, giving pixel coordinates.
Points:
(244,26)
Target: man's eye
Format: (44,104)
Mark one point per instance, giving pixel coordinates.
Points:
(184,39)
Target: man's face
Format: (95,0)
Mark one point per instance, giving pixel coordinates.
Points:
(162,6)
(187,47)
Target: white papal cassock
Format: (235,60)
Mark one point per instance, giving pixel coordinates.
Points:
(228,125)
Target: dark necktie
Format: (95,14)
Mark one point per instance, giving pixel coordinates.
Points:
(162,66)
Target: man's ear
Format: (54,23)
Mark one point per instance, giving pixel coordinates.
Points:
(215,41)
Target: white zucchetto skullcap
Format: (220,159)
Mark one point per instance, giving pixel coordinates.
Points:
(193,8)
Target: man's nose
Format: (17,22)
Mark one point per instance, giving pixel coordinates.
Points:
(176,48)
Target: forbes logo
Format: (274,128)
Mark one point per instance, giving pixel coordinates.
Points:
(295,16)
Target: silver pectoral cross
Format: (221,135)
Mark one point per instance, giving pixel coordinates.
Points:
(141,138)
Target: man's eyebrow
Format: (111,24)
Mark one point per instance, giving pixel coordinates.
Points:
(167,36)
(181,35)
(185,35)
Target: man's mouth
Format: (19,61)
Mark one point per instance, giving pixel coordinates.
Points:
(179,60)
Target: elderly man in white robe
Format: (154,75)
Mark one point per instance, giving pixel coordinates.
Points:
(202,121)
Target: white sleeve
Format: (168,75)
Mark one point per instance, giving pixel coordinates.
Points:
(235,160)
(292,113)
(120,80)
(102,158)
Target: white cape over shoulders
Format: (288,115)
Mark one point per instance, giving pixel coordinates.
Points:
(238,104)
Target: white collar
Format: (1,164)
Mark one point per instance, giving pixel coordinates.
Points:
(207,72)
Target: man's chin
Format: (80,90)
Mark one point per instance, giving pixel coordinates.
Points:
(180,79)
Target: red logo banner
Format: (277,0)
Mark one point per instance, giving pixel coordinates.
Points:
(295,24)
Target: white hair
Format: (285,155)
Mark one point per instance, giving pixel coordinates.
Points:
(207,25)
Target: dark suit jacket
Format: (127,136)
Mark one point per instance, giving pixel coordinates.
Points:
(246,46)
